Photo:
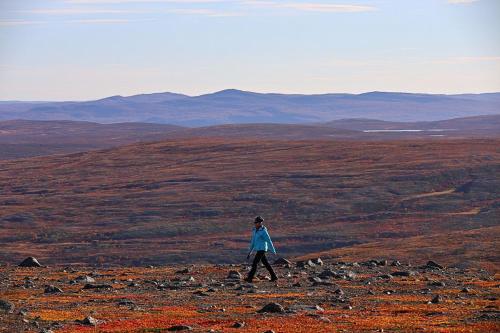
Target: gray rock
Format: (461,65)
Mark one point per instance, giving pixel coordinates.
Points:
(52,290)
(436,284)
(281,262)
(318,261)
(234,275)
(239,324)
(180,328)
(433,264)
(305,263)
(97,286)
(85,279)
(88,321)
(272,308)
(403,273)
(30,262)
(6,306)
(436,299)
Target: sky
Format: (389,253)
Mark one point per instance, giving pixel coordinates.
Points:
(88,49)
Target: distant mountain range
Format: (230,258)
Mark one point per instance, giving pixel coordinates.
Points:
(241,107)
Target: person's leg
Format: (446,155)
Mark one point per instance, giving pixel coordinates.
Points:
(269,267)
(258,257)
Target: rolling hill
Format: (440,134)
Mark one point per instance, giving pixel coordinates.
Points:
(193,200)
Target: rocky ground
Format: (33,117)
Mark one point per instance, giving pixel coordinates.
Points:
(310,296)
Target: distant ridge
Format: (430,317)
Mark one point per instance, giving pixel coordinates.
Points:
(232,106)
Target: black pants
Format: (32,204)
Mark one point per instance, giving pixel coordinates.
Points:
(261,255)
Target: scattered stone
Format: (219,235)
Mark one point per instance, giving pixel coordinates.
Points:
(52,290)
(97,286)
(30,262)
(88,321)
(318,261)
(180,328)
(318,308)
(46,330)
(126,302)
(282,262)
(85,279)
(272,308)
(466,290)
(234,275)
(403,273)
(433,264)
(239,324)
(338,291)
(183,271)
(437,299)
(382,263)
(386,276)
(316,279)
(269,331)
(436,284)
(6,306)
(395,263)
(305,264)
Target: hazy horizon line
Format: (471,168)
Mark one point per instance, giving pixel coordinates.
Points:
(248,91)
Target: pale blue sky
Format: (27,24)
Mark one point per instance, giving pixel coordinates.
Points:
(87,49)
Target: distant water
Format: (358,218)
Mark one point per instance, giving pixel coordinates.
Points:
(407,130)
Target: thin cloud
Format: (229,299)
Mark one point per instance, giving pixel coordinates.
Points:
(467,60)
(143,1)
(312,7)
(19,22)
(203,12)
(79,11)
(104,21)
(457,2)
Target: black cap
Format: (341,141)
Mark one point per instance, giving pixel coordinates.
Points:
(259,219)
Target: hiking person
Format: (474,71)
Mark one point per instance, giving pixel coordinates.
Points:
(261,243)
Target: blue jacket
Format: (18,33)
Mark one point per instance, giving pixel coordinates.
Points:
(261,240)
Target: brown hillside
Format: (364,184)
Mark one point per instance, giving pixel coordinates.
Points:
(194,200)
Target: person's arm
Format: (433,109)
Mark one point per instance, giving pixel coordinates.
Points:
(268,238)
(252,241)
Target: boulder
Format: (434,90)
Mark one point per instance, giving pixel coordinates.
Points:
(239,324)
(85,279)
(30,262)
(52,290)
(90,321)
(282,262)
(436,299)
(305,263)
(97,286)
(180,328)
(234,275)
(403,273)
(318,261)
(6,306)
(433,264)
(272,308)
